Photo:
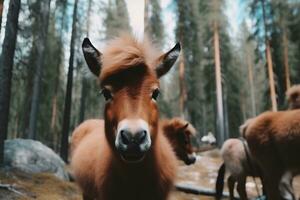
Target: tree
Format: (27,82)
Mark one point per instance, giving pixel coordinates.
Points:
(262,11)
(116,19)
(220,112)
(68,98)
(1,12)
(39,47)
(153,21)
(84,81)
(6,66)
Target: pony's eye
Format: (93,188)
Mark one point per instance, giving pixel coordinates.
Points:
(155,94)
(107,94)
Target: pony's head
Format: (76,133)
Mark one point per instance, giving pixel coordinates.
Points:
(129,73)
(293,97)
(179,133)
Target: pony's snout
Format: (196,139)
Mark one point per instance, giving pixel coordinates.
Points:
(133,139)
(191,159)
(128,138)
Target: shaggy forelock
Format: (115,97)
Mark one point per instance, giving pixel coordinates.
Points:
(125,52)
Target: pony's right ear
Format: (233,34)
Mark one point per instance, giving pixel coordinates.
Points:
(92,57)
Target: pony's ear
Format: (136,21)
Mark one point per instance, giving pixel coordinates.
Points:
(185,126)
(167,60)
(92,56)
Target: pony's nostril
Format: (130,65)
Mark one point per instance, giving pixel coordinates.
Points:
(141,136)
(124,137)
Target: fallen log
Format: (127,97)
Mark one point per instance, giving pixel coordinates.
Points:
(192,189)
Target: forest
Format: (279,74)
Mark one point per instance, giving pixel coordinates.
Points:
(222,78)
(238,59)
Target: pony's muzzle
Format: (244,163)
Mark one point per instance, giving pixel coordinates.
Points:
(191,159)
(133,139)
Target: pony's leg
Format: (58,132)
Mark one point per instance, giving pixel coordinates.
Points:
(286,186)
(87,197)
(272,180)
(241,188)
(231,182)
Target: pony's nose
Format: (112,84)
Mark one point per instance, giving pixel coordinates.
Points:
(133,136)
(136,138)
(191,159)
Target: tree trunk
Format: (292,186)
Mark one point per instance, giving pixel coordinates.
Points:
(269,61)
(6,67)
(146,17)
(68,98)
(252,94)
(183,94)
(220,112)
(84,81)
(1,12)
(40,46)
(53,126)
(271,77)
(286,60)
(84,88)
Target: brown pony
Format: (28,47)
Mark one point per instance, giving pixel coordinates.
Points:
(293,97)
(274,141)
(179,132)
(238,166)
(131,159)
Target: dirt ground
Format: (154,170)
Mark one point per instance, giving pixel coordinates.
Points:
(46,187)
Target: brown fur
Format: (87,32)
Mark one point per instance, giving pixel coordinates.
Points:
(179,133)
(129,72)
(274,140)
(172,128)
(235,160)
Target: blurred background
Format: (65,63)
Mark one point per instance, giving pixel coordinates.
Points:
(238,59)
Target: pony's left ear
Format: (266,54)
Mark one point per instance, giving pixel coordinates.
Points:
(185,126)
(92,57)
(167,60)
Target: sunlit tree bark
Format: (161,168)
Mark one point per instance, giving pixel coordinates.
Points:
(220,112)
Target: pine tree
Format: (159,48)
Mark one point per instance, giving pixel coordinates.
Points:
(39,47)
(6,67)
(68,98)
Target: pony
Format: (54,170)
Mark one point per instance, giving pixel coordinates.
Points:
(177,131)
(238,164)
(293,97)
(241,169)
(274,141)
(128,157)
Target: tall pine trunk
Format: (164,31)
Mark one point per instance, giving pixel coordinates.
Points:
(40,46)
(182,88)
(68,99)
(6,67)
(269,62)
(84,81)
(286,60)
(251,83)
(1,12)
(220,112)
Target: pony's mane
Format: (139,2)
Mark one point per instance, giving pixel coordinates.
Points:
(125,52)
(292,90)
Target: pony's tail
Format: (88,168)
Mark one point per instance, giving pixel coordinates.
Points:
(220,182)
